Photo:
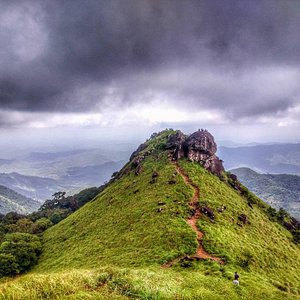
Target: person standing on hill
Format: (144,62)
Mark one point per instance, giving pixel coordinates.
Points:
(236,278)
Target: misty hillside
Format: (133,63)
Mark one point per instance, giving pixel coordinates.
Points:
(167,228)
(13,201)
(278,158)
(278,190)
(37,188)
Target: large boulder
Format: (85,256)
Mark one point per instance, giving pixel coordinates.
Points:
(200,145)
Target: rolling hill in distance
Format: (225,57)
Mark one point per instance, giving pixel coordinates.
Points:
(37,188)
(274,158)
(13,201)
(40,174)
(171,224)
(278,190)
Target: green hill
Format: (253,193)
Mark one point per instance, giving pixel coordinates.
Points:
(135,240)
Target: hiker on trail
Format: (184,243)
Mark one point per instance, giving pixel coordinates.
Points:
(236,278)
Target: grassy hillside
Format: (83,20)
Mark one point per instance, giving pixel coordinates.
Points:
(115,247)
(279,190)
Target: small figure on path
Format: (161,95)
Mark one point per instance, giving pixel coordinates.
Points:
(236,278)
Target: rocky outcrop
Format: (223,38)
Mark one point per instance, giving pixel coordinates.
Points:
(175,144)
(137,151)
(199,147)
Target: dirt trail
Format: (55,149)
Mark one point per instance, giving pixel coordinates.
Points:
(192,221)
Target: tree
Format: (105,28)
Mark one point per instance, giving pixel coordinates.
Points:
(58,196)
(282,214)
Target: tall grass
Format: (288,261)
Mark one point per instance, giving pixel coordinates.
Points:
(203,281)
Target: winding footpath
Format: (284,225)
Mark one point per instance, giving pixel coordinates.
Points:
(192,221)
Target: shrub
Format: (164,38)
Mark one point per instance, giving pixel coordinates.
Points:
(8,265)
(296,237)
(272,213)
(41,225)
(246,260)
(19,252)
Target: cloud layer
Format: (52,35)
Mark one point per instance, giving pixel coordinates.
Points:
(237,60)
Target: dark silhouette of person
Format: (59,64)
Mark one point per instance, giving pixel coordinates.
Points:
(236,276)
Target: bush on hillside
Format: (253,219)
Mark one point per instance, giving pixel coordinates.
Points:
(8,265)
(18,253)
(284,218)
(41,225)
(296,237)
(19,244)
(246,259)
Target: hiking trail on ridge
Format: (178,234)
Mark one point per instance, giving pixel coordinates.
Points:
(192,221)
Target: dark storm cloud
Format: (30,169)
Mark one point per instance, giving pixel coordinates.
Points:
(226,55)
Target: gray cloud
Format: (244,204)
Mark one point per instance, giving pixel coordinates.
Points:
(240,57)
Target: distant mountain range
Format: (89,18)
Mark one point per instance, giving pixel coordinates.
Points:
(55,165)
(75,179)
(276,158)
(38,175)
(278,190)
(13,201)
(37,188)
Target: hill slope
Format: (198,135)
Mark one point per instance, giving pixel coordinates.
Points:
(279,190)
(136,235)
(13,201)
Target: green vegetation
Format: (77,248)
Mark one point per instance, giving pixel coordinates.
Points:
(123,226)
(284,218)
(60,206)
(115,246)
(18,253)
(19,234)
(260,246)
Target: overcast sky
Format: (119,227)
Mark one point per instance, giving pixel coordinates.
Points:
(135,66)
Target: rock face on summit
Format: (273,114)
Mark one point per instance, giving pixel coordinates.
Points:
(199,146)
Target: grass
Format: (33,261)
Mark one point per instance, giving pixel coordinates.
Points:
(202,281)
(76,284)
(114,246)
(262,247)
(123,226)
